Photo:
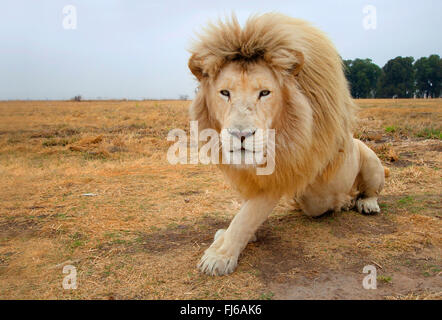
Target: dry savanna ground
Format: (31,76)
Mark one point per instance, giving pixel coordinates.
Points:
(88,184)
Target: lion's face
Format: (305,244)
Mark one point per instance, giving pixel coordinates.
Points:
(245,101)
(278,73)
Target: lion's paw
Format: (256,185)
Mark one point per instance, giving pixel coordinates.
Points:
(368,205)
(215,264)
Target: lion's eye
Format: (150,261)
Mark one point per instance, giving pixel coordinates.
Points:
(264,93)
(225,93)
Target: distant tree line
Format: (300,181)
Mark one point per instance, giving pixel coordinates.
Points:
(401,77)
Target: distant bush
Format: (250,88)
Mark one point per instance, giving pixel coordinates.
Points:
(77,98)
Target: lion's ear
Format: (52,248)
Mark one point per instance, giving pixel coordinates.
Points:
(196,67)
(297,66)
(290,61)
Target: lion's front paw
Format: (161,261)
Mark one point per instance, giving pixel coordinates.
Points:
(368,206)
(215,264)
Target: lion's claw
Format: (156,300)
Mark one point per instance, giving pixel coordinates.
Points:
(215,264)
(368,206)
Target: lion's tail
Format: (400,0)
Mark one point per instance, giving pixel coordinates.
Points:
(386,172)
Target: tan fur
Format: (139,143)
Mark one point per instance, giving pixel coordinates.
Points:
(310,108)
(279,41)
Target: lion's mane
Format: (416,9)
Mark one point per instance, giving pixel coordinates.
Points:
(315,130)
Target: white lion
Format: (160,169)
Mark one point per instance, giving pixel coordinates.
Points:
(281,73)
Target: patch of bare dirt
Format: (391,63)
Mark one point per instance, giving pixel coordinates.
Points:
(18,228)
(278,259)
(171,238)
(336,285)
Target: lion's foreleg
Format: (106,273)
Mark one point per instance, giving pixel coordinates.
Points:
(372,180)
(222,256)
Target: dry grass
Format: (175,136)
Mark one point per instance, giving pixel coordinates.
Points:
(147,223)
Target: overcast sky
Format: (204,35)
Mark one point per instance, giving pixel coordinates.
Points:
(137,49)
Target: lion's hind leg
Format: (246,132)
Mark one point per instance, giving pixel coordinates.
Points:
(371,180)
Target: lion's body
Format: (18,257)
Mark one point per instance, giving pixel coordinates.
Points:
(360,177)
(307,103)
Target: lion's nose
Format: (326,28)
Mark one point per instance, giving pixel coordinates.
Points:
(242,134)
